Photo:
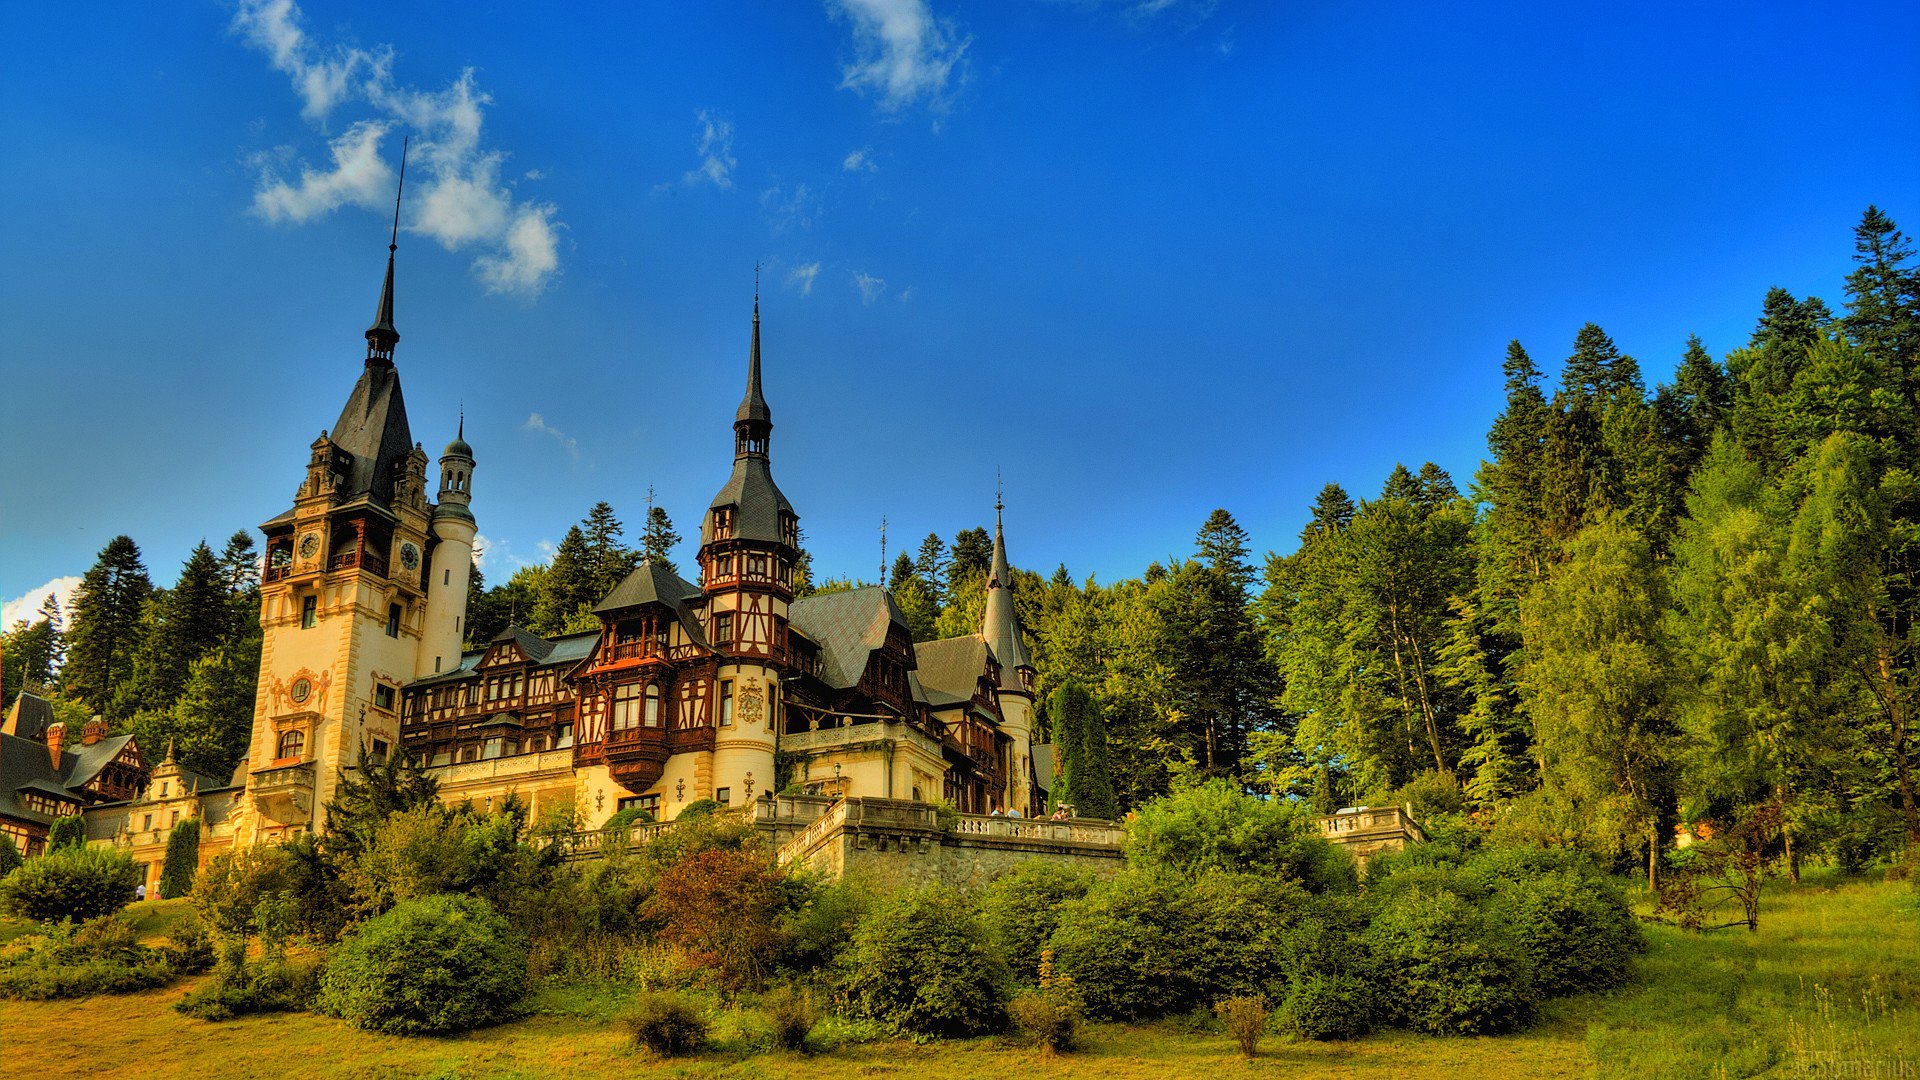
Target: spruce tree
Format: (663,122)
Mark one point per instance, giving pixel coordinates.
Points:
(1332,510)
(568,585)
(607,560)
(105,634)
(658,538)
(931,564)
(181,625)
(1883,301)
(969,558)
(901,572)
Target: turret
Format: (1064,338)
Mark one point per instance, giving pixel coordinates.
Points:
(1001,627)
(451,564)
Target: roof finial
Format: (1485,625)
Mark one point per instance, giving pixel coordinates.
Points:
(381,336)
(461,434)
(883,551)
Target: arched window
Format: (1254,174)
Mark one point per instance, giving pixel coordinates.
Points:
(653,706)
(292,743)
(624,700)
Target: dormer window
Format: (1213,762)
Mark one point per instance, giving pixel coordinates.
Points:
(723,523)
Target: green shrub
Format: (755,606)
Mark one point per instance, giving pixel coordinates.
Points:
(1218,826)
(1327,1007)
(1021,909)
(791,1014)
(1245,1019)
(182,860)
(820,928)
(1050,1016)
(10,857)
(189,947)
(667,1023)
(229,891)
(272,985)
(440,963)
(432,850)
(66,832)
(102,956)
(1153,943)
(921,962)
(698,809)
(77,883)
(1498,863)
(1576,930)
(1452,972)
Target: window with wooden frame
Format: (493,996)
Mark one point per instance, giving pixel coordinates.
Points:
(726,703)
(651,715)
(291,744)
(626,707)
(723,628)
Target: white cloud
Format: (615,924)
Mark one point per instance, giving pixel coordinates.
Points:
(537,423)
(358,178)
(906,294)
(871,288)
(26,607)
(860,160)
(902,53)
(536,174)
(801,277)
(459,199)
(713,141)
(786,210)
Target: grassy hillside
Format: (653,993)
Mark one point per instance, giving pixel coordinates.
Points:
(1829,986)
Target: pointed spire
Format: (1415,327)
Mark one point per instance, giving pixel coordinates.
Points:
(381,336)
(1000,623)
(753,421)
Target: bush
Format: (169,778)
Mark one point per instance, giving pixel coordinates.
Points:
(243,989)
(1217,826)
(1452,973)
(182,861)
(432,850)
(1152,943)
(819,929)
(1050,1016)
(791,1014)
(627,817)
(921,962)
(667,1023)
(78,883)
(189,947)
(1245,1019)
(699,809)
(298,874)
(10,857)
(1577,931)
(102,956)
(1021,910)
(66,832)
(441,963)
(1328,1007)
(724,908)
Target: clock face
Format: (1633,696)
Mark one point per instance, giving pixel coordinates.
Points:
(309,545)
(300,690)
(409,556)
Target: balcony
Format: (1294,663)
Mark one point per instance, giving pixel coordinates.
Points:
(284,793)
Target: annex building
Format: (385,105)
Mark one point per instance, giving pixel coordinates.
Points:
(728,687)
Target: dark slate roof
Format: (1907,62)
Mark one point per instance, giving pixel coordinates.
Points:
(463,670)
(950,669)
(529,643)
(848,625)
(649,583)
(28,716)
(87,761)
(654,583)
(22,763)
(373,428)
(571,648)
(756,501)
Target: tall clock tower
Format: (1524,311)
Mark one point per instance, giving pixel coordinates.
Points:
(347,604)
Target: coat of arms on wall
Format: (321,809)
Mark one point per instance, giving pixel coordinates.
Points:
(752,704)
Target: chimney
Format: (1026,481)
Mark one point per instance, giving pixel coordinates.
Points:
(93,732)
(56,741)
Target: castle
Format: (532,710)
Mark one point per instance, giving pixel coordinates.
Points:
(725,689)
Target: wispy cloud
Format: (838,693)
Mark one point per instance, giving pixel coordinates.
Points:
(461,201)
(789,209)
(906,294)
(537,423)
(713,141)
(871,288)
(801,277)
(860,160)
(26,606)
(902,53)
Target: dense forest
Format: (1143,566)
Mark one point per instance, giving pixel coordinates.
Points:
(1694,604)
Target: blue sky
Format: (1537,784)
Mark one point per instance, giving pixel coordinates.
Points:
(1147,258)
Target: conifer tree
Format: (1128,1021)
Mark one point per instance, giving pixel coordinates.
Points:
(182,862)
(901,572)
(658,538)
(181,625)
(971,554)
(1883,297)
(932,564)
(568,586)
(105,634)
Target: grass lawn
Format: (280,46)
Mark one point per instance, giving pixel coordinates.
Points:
(1830,986)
